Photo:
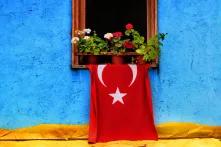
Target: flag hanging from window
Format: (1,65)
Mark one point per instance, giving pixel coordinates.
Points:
(120,104)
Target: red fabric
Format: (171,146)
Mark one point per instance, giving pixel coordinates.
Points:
(130,119)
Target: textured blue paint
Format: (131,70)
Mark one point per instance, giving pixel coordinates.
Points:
(37,84)
(188,86)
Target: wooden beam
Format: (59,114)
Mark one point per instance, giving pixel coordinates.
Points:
(151,18)
(152,65)
(78,23)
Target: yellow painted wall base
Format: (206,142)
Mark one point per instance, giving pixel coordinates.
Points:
(83,143)
(65,132)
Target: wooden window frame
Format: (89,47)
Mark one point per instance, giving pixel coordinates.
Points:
(79,23)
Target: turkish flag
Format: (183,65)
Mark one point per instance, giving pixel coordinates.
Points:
(121,105)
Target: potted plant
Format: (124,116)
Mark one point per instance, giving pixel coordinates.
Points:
(115,44)
(90,44)
(150,51)
(137,40)
(119,44)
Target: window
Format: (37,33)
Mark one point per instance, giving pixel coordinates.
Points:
(108,16)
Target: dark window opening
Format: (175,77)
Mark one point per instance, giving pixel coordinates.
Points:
(112,15)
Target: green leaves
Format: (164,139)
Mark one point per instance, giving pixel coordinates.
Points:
(151,49)
(140,51)
(92,44)
(162,36)
(116,43)
(128,32)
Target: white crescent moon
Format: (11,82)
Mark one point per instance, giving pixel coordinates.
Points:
(100,69)
(133,68)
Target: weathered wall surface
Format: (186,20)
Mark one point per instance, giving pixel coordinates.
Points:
(37,84)
(188,87)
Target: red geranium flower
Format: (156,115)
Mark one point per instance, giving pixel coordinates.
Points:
(129,26)
(128,44)
(117,34)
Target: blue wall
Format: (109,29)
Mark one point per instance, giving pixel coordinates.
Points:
(37,84)
(188,87)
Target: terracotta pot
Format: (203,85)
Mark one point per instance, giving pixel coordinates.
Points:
(117,59)
(92,59)
(139,60)
(157,60)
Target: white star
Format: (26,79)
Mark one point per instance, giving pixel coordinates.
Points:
(118,96)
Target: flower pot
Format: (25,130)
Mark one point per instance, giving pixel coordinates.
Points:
(139,60)
(116,59)
(92,59)
(157,60)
